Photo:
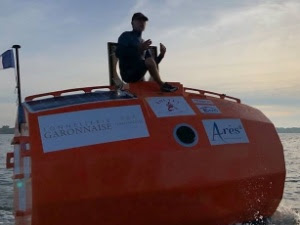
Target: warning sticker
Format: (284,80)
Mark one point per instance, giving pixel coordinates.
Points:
(170,106)
(225,131)
(88,127)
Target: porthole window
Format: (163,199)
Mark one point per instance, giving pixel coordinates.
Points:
(185,135)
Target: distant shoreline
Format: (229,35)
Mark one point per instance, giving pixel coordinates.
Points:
(290,130)
(7,130)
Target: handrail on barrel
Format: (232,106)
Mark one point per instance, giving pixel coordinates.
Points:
(203,92)
(59,93)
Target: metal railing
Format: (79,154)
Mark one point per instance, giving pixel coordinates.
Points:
(209,93)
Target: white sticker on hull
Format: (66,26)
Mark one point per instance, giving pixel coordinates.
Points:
(27,166)
(17,150)
(202,101)
(206,106)
(208,109)
(170,106)
(225,131)
(21,195)
(88,127)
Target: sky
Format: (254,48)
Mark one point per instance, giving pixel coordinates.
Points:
(248,49)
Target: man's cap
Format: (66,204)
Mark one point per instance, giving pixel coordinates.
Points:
(139,15)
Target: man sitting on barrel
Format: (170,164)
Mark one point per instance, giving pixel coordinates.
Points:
(135,57)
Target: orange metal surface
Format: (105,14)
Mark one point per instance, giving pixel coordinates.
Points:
(155,180)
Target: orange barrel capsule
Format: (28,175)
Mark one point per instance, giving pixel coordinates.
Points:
(144,157)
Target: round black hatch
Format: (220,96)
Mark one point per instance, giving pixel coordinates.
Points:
(185,135)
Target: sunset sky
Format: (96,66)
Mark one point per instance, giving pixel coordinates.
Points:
(249,49)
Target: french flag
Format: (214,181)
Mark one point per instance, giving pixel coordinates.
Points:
(7,60)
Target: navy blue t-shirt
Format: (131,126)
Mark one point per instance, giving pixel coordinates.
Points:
(128,53)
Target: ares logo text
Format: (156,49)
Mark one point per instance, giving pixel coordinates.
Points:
(225,131)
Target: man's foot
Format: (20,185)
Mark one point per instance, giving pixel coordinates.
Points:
(168,87)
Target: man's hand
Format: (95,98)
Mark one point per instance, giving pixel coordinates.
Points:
(162,49)
(145,45)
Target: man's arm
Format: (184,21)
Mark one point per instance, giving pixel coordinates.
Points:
(124,49)
(162,53)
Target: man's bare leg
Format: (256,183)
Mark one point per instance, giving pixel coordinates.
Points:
(153,70)
(151,79)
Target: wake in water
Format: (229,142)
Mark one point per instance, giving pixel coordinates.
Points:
(283,216)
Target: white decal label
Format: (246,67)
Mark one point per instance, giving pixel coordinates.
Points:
(17,159)
(225,131)
(170,106)
(27,166)
(88,127)
(206,106)
(208,109)
(22,194)
(202,101)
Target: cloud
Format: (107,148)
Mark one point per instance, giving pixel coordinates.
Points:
(50,58)
(8,112)
(258,43)
(248,49)
(286,116)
